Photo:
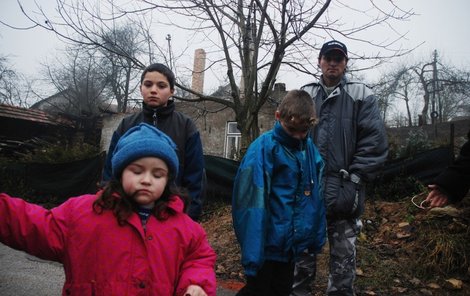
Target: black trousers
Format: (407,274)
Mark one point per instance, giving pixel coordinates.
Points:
(273,279)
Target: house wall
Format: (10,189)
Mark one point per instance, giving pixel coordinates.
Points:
(211,124)
(211,120)
(110,123)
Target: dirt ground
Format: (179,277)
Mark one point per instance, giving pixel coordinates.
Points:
(403,250)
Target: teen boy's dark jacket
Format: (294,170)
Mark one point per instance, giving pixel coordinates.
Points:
(278,211)
(351,137)
(182,130)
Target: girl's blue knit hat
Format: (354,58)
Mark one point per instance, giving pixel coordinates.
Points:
(140,141)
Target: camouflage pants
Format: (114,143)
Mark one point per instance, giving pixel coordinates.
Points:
(342,237)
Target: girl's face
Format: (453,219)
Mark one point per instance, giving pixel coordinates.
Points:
(145,179)
(155,89)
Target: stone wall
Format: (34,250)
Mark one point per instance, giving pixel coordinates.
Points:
(439,134)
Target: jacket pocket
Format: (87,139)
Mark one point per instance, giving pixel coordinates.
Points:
(344,199)
(276,240)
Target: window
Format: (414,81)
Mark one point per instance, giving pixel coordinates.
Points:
(232,140)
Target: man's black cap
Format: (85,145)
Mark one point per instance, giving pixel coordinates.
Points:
(334,45)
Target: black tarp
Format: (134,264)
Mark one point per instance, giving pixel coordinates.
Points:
(220,174)
(60,181)
(40,181)
(423,166)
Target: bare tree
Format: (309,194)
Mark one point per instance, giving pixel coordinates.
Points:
(403,87)
(453,97)
(14,89)
(441,88)
(79,82)
(250,39)
(118,64)
(384,91)
(445,88)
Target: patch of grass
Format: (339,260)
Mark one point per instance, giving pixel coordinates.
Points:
(445,248)
(379,270)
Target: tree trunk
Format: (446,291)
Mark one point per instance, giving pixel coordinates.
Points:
(249,132)
(424,112)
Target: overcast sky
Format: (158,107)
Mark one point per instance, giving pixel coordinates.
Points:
(442,25)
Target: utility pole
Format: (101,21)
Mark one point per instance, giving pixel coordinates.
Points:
(433,100)
(434,113)
(170,63)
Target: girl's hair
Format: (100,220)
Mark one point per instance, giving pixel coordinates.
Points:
(164,70)
(298,106)
(113,198)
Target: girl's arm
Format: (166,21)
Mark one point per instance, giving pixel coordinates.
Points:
(198,267)
(31,228)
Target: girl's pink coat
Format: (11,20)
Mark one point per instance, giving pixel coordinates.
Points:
(102,258)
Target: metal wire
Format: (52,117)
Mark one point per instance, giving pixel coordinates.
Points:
(423,204)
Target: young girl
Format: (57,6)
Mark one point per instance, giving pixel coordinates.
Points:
(157,86)
(132,238)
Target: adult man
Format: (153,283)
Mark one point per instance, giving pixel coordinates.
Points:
(352,140)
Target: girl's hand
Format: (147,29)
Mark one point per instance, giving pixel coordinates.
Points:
(194,290)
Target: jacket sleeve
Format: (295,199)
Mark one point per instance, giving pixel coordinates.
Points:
(250,192)
(455,180)
(193,177)
(198,267)
(32,228)
(371,145)
(321,217)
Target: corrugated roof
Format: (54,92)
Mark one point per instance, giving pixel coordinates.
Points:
(32,115)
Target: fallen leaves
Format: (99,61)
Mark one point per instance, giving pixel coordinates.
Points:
(390,242)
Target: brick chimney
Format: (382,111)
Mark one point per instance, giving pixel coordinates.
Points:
(198,70)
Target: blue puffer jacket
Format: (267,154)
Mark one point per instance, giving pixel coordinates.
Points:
(277,208)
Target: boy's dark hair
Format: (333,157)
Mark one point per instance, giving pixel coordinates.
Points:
(115,199)
(157,67)
(297,106)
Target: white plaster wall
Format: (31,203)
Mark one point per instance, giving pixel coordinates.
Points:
(110,123)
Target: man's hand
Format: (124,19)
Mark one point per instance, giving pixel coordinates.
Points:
(435,197)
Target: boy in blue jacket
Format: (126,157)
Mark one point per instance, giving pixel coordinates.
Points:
(278,211)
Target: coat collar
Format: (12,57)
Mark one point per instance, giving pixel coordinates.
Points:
(163,111)
(175,203)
